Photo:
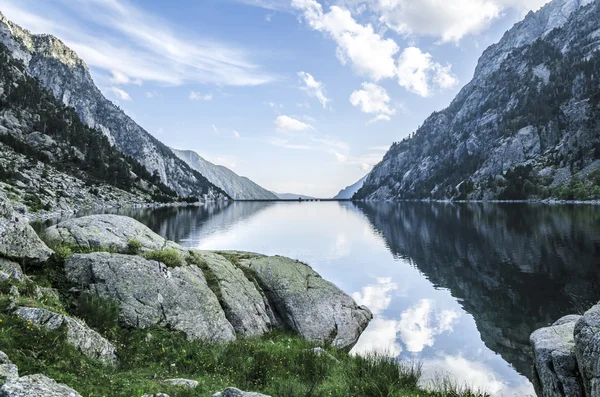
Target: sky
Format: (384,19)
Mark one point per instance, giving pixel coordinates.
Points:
(301,96)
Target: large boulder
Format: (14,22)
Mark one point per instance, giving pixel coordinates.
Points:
(556,370)
(18,240)
(105,231)
(10,271)
(587,350)
(149,293)
(8,371)
(36,386)
(244,306)
(85,339)
(307,303)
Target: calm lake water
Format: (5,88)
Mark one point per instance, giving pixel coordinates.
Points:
(457,287)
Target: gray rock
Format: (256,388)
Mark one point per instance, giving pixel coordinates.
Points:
(587,350)
(36,386)
(18,240)
(108,231)
(148,293)
(233,392)
(314,307)
(10,270)
(556,370)
(190,384)
(8,371)
(244,306)
(88,341)
(156,395)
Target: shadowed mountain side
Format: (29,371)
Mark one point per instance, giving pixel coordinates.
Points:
(505,266)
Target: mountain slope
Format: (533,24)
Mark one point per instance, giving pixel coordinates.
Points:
(50,159)
(349,191)
(237,187)
(61,71)
(525,127)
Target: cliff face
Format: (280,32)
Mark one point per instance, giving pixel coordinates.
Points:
(514,268)
(62,72)
(524,127)
(237,187)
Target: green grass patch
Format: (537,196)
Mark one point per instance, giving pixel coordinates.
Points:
(134,246)
(170,257)
(212,280)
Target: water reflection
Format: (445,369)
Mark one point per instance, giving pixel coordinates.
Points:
(457,287)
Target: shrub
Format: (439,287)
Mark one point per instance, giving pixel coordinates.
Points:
(134,247)
(170,257)
(62,252)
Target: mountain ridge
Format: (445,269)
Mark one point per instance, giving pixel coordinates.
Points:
(61,71)
(236,186)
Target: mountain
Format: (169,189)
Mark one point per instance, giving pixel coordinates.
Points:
(237,187)
(525,127)
(293,196)
(63,73)
(349,191)
(51,161)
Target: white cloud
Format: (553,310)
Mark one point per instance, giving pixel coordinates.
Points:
(273,105)
(372,55)
(418,73)
(313,88)
(215,129)
(150,94)
(288,124)
(368,52)
(340,157)
(196,96)
(376,296)
(137,46)
(373,99)
(121,94)
(236,134)
(420,324)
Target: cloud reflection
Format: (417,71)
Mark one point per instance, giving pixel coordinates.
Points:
(420,324)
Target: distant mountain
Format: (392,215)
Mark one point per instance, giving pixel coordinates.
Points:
(348,192)
(63,73)
(237,187)
(292,196)
(526,127)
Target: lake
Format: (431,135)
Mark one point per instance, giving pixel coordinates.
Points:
(456,287)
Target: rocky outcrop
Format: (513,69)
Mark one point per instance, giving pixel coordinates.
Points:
(8,371)
(36,386)
(587,350)
(148,293)
(233,392)
(10,271)
(556,372)
(18,240)
(567,356)
(208,295)
(303,301)
(85,339)
(105,231)
(188,383)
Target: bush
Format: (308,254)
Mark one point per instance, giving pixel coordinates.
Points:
(170,257)
(134,246)
(62,252)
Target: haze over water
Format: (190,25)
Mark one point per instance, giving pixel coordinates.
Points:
(457,287)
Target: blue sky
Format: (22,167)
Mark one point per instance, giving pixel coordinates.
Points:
(301,96)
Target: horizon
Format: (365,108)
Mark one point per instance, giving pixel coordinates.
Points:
(236,81)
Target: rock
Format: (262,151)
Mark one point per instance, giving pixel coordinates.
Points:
(244,306)
(233,392)
(156,395)
(10,270)
(18,240)
(148,293)
(108,231)
(556,370)
(191,384)
(8,371)
(88,341)
(587,350)
(303,301)
(36,386)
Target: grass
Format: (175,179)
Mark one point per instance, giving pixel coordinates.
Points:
(170,257)
(212,280)
(134,246)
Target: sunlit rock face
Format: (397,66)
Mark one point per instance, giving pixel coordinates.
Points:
(530,103)
(515,270)
(63,73)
